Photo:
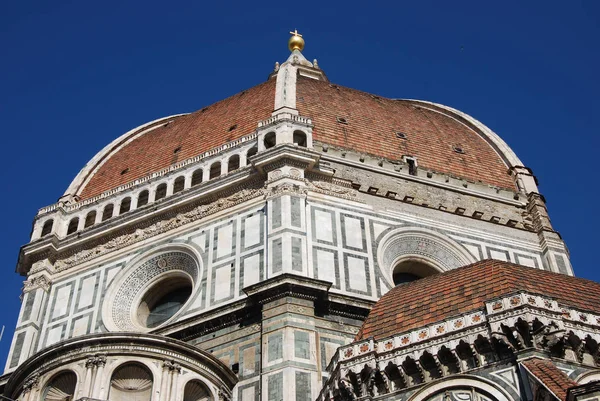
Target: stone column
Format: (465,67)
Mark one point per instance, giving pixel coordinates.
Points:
(98,390)
(89,377)
(164,382)
(30,387)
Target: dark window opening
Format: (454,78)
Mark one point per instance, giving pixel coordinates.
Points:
(253,150)
(300,138)
(125,205)
(412,166)
(215,170)
(143,198)
(270,140)
(197,177)
(161,191)
(47,228)
(233,164)
(411,270)
(234,126)
(108,212)
(179,184)
(90,219)
(125,171)
(73,225)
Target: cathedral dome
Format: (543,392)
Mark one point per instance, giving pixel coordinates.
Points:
(440,139)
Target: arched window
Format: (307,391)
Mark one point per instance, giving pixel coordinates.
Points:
(300,138)
(270,140)
(143,198)
(461,394)
(215,170)
(179,184)
(251,152)
(163,300)
(125,205)
(411,270)
(195,390)
(90,219)
(108,212)
(131,382)
(47,228)
(161,191)
(73,225)
(234,163)
(61,387)
(197,177)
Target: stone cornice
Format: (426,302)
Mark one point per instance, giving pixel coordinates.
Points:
(502,328)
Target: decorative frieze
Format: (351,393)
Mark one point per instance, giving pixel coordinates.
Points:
(500,330)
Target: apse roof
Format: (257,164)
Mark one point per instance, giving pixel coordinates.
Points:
(465,289)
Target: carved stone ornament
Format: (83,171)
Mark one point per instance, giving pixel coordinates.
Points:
(33,283)
(181,219)
(96,360)
(172,366)
(159,227)
(31,382)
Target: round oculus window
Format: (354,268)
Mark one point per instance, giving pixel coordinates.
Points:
(163,300)
(152,293)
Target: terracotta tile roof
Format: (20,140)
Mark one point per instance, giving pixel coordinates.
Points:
(551,377)
(195,133)
(372,122)
(456,292)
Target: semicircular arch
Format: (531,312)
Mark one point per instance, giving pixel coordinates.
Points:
(419,245)
(462,381)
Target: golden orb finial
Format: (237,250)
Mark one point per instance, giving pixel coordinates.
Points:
(296,42)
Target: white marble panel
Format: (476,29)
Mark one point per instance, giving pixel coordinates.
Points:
(62,301)
(356,274)
(498,255)
(251,270)
(80,326)
(353,233)
(326,266)
(222,282)
(86,296)
(224,242)
(252,231)
(323,224)
(54,335)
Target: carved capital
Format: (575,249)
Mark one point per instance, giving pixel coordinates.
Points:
(35,282)
(172,366)
(31,382)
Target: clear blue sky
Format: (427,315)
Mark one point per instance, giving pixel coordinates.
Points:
(77,74)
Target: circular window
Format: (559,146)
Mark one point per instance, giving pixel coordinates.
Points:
(411,270)
(163,300)
(151,293)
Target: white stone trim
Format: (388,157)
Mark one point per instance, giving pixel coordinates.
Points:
(383,249)
(462,381)
(98,160)
(507,154)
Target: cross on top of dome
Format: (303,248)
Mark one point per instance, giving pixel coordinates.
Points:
(296,42)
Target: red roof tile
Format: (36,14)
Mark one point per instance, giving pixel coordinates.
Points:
(549,376)
(372,122)
(459,291)
(194,133)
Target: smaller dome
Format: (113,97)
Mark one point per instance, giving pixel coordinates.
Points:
(466,289)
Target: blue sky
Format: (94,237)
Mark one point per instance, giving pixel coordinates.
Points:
(77,74)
